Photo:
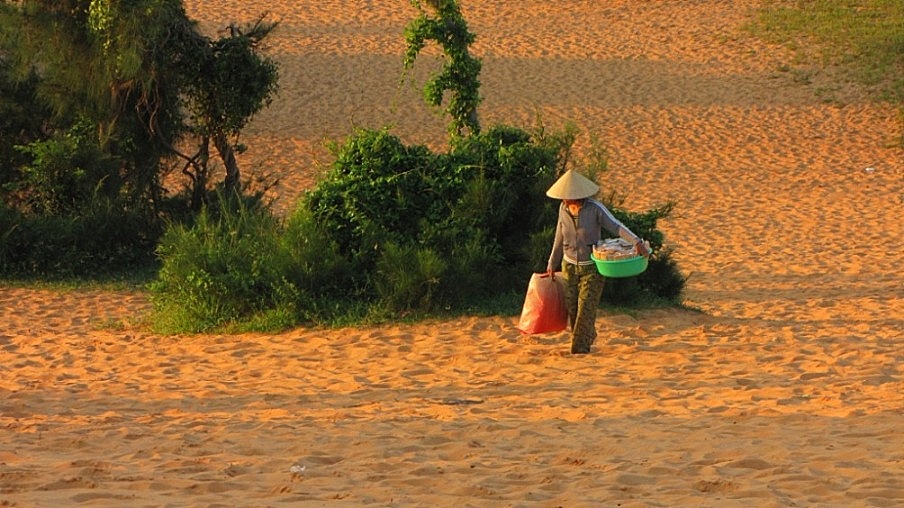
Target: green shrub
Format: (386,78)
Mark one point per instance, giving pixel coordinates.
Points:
(226,267)
(64,214)
(437,231)
(662,280)
(22,120)
(317,268)
(377,191)
(391,229)
(101,241)
(316,263)
(240,267)
(472,207)
(408,277)
(68,171)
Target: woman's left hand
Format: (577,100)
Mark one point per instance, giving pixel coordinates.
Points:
(643,248)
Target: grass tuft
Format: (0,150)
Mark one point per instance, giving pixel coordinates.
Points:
(865,38)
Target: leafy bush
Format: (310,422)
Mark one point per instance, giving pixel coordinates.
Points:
(22,120)
(408,277)
(662,279)
(238,265)
(63,213)
(317,268)
(427,231)
(390,229)
(378,191)
(227,266)
(68,171)
(100,241)
(470,209)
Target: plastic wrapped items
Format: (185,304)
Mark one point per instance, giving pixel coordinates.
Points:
(617,258)
(614,249)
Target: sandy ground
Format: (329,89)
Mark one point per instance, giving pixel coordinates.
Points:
(786,388)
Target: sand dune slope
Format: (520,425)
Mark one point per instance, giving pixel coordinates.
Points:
(784,389)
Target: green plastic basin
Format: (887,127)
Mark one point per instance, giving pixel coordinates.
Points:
(618,268)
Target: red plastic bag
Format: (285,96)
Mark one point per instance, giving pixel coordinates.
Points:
(544,306)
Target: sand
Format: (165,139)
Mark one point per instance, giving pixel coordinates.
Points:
(781,384)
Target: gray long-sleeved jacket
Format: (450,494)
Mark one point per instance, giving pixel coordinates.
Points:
(575,237)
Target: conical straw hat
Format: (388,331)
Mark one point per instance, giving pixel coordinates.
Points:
(573,185)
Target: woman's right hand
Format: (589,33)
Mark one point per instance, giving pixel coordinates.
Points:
(551,274)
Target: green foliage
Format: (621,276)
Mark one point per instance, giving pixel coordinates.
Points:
(390,230)
(318,263)
(316,266)
(437,231)
(227,266)
(239,266)
(662,280)
(102,93)
(408,277)
(99,241)
(460,72)
(230,81)
(68,172)
(93,162)
(472,207)
(225,83)
(65,213)
(22,120)
(378,191)
(508,171)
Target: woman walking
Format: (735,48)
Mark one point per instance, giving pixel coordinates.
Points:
(578,228)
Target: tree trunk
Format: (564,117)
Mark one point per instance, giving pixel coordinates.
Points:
(231,185)
(199,178)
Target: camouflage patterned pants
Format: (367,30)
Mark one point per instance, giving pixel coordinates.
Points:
(583,289)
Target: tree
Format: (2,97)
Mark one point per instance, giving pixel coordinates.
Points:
(227,82)
(118,89)
(21,122)
(460,72)
(91,69)
(144,75)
